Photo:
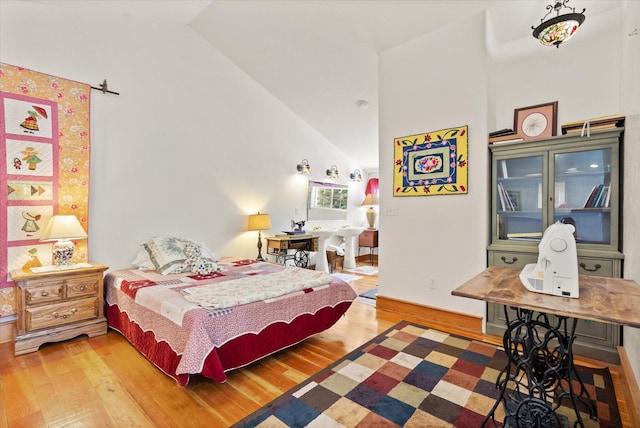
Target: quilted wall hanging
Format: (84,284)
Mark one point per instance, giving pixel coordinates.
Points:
(44,147)
(433,163)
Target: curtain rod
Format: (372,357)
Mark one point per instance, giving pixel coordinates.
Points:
(104,88)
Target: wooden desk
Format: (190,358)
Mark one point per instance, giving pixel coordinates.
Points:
(610,300)
(538,341)
(280,245)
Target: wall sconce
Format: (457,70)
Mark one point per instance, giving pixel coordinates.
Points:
(304,167)
(356,176)
(62,229)
(333,172)
(560,28)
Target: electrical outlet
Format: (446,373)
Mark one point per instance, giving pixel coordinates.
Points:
(433,283)
(297,211)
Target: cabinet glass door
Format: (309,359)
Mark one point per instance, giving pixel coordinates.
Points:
(518,198)
(582,193)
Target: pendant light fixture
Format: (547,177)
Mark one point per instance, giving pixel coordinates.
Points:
(560,28)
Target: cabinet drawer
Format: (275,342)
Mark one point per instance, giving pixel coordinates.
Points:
(595,267)
(82,286)
(368,238)
(512,260)
(43,292)
(61,313)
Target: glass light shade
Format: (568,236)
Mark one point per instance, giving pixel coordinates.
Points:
(333,172)
(63,228)
(559,29)
(259,222)
(304,167)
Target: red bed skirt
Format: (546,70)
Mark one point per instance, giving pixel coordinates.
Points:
(234,354)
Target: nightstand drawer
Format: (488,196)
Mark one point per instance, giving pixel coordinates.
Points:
(82,286)
(61,313)
(44,292)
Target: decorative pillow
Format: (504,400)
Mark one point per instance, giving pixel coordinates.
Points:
(198,264)
(167,254)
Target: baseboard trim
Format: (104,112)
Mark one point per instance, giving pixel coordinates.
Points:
(433,317)
(630,386)
(7,331)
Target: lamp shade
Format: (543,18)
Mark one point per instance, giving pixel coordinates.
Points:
(259,222)
(63,227)
(373,186)
(370,199)
(560,28)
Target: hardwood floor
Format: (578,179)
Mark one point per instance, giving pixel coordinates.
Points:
(104,381)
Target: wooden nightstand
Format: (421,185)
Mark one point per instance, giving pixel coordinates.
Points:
(369,238)
(59,305)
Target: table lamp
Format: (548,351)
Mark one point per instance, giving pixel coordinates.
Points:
(370,200)
(62,229)
(259,222)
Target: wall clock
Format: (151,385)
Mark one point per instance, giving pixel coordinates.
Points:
(537,121)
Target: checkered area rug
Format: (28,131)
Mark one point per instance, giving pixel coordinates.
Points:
(412,376)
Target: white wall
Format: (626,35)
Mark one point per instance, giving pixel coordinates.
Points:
(426,85)
(190,147)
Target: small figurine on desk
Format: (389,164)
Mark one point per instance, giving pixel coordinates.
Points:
(297,226)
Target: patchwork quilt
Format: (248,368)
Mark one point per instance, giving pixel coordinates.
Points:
(185,312)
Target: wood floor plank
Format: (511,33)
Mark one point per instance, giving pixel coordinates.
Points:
(3,410)
(20,392)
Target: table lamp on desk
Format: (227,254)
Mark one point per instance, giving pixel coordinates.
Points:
(259,222)
(63,229)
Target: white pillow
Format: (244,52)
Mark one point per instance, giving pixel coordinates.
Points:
(142,260)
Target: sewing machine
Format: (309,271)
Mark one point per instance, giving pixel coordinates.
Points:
(556,272)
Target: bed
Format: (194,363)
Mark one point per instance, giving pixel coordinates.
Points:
(208,324)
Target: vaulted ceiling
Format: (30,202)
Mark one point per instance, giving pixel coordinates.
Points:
(320,57)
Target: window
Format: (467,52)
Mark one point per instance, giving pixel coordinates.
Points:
(331,198)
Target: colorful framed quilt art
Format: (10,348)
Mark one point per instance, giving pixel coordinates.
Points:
(44,168)
(433,163)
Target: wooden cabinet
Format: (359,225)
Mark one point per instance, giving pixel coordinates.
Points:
(570,179)
(368,238)
(59,305)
